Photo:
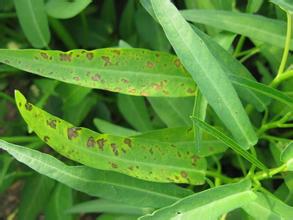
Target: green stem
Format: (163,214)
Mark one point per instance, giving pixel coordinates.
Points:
(286,49)
(286,75)
(239,46)
(265,175)
(7,97)
(214,174)
(254,51)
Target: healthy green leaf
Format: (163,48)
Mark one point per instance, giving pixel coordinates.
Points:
(263,89)
(229,142)
(209,204)
(130,71)
(286,5)
(267,207)
(60,200)
(135,112)
(33,20)
(34,197)
(104,184)
(63,9)
(134,157)
(174,112)
(113,129)
(106,206)
(206,71)
(287,156)
(257,27)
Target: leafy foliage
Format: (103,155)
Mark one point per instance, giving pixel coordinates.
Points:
(150,109)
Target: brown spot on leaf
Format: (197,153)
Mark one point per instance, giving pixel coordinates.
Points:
(52,123)
(91,142)
(125,80)
(114,165)
(118,52)
(72,132)
(101,143)
(190,90)
(76,78)
(184,174)
(194,159)
(150,64)
(44,55)
(65,57)
(107,61)
(123,150)
(127,141)
(179,154)
(114,149)
(28,106)
(151,151)
(96,77)
(177,63)
(130,168)
(46,138)
(89,56)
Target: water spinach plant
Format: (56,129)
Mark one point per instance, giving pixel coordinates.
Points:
(173,109)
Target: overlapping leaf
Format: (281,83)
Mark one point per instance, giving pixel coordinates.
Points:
(130,71)
(206,71)
(104,184)
(134,157)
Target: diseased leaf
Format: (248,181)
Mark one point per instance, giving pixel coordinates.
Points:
(209,204)
(206,71)
(63,9)
(257,27)
(131,156)
(104,184)
(33,20)
(130,71)
(268,207)
(229,142)
(106,206)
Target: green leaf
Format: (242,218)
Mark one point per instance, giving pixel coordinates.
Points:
(113,129)
(209,204)
(183,138)
(141,159)
(263,89)
(230,143)
(206,71)
(104,184)
(286,5)
(60,200)
(135,112)
(174,112)
(256,27)
(253,5)
(106,206)
(34,197)
(267,207)
(130,71)
(63,9)
(33,20)
(287,156)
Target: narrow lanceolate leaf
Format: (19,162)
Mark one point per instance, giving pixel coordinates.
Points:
(65,9)
(209,204)
(286,5)
(33,20)
(256,27)
(130,71)
(229,142)
(141,159)
(262,89)
(107,206)
(268,207)
(206,71)
(287,156)
(104,184)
